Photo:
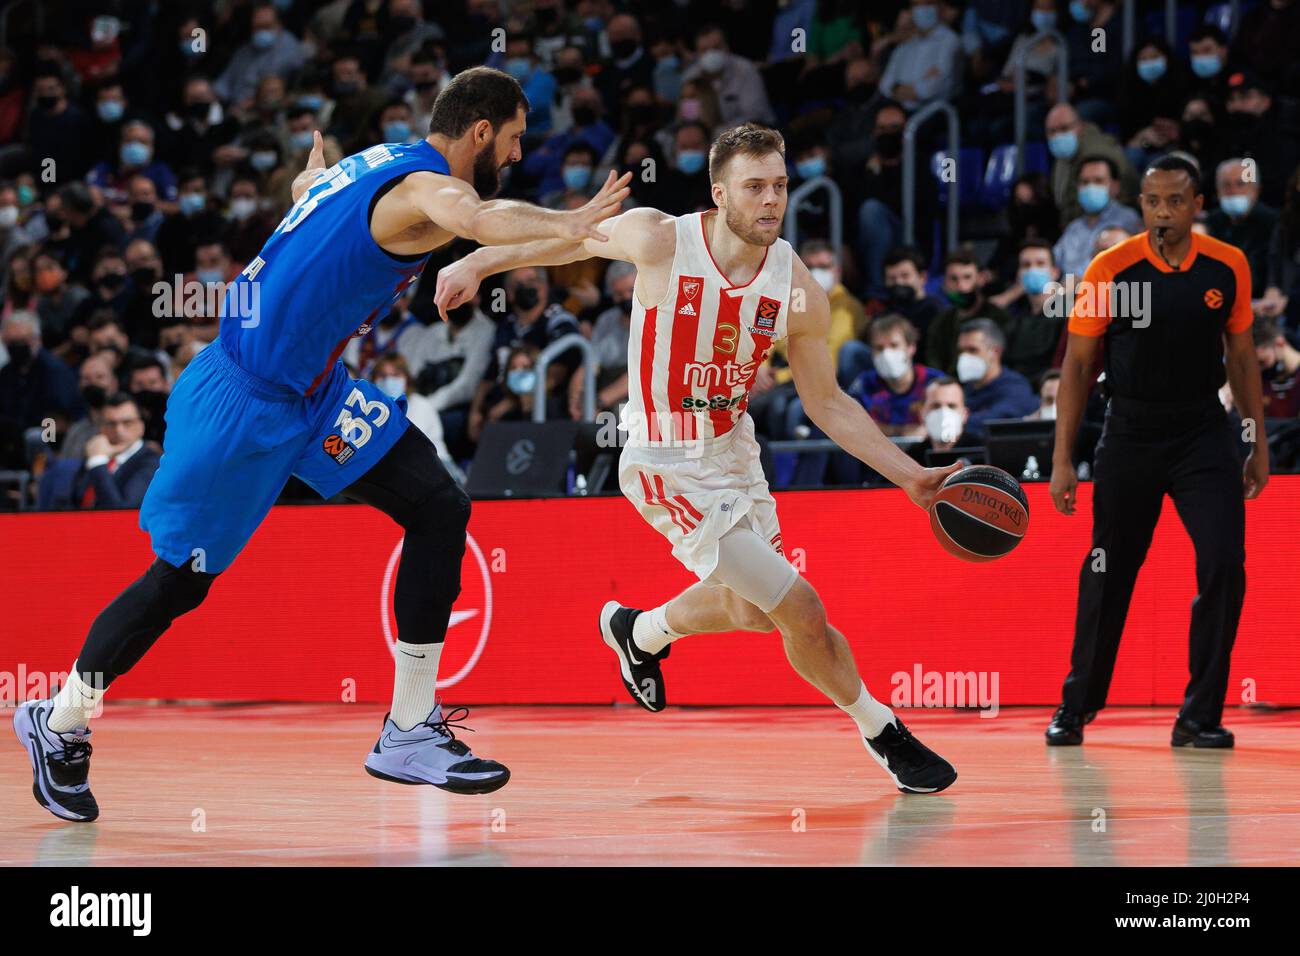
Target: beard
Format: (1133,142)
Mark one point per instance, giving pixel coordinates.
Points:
(749,230)
(487,175)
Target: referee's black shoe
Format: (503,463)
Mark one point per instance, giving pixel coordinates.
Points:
(639,668)
(1190,733)
(1066,728)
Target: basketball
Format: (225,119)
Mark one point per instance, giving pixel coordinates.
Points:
(979,513)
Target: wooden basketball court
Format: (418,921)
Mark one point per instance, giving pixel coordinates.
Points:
(284,785)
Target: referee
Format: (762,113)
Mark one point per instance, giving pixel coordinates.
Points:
(1171,309)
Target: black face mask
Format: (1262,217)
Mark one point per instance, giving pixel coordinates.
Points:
(526,297)
(345,87)
(460,316)
(402,24)
(900,295)
(171,348)
(889,145)
(144,277)
(53,223)
(199,111)
(583,116)
(425,87)
(564,75)
(622,49)
(95,396)
(642,114)
(1242,121)
(111,281)
(20,353)
(47,103)
(140,211)
(860,93)
(1197,131)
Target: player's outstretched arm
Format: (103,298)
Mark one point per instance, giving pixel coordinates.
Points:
(843,419)
(641,236)
(455,206)
(314,169)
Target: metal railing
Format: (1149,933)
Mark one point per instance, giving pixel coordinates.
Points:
(559,347)
(914,123)
(836,205)
(1021,95)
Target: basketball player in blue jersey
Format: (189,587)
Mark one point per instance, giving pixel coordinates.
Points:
(270,399)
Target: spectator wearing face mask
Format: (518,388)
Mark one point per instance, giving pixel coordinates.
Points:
(735,81)
(905,294)
(1209,58)
(1200,131)
(1154,89)
(629,64)
(538,85)
(1098,192)
(393,377)
(686,187)
(876,191)
(1070,140)
(91,227)
(96,383)
(384,337)
(512,398)
(33,381)
(992,391)
(195,217)
(578,173)
(147,383)
(174,335)
(57,129)
(135,157)
(119,464)
(1048,386)
(248,222)
(143,217)
(108,288)
(945,414)
(543,164)
(1241,220)
(963,287)
(1279,365)
(1038,315)
(1259,128)
(270,50)
(926,66)
(107,337)
(56,300)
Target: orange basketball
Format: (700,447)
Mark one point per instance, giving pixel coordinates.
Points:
(979,513)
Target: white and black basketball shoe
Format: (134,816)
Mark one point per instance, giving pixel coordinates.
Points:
(638,668)
(914,767)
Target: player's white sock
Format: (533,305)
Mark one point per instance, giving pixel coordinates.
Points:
(650,630)
(871,715)
(74,704)
(415,683)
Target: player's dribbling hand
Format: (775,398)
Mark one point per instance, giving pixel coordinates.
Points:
(457,284)
(1064,487)
(583,223)
(927,484)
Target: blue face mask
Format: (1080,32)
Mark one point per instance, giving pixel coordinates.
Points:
(397,131)
(263,39)
(811,168)
(262,161)
(1063,145)
(110,111)
(1206,65)
(187,48)
(135,154)
(669,63)
(519,67)
(690,161)
(577,177)
(521,381)
(1235,206)
(925,16)
(311,101)
(301,139)
(1034,281)
(1152,70)
(1094,198)
(208,276)
(1079,11)
(192,203)
(1043,19)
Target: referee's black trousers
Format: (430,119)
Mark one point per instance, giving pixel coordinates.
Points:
(1190,452)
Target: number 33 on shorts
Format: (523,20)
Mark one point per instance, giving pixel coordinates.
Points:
(354,430)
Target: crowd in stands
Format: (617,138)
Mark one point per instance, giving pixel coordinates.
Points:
(147,151)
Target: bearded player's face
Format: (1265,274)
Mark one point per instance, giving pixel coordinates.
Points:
(752,197)
(496,154)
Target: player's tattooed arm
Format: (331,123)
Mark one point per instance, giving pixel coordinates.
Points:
(842,418)
(644,237)
(314,169)
(454,205)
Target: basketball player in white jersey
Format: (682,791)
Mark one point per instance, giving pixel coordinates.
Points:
(714,291)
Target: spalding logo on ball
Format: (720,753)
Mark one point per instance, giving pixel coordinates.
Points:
(979,513)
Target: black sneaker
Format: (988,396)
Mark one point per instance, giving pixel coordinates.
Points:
(60,763)
(1191,733)
(638,668)
(914,767)
(1066,728)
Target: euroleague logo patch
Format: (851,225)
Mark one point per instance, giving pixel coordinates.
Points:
(338,449)
(1214,298)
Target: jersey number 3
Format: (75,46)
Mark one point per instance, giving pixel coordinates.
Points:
(358,429)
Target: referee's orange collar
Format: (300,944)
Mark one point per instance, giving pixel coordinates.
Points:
(1155,260)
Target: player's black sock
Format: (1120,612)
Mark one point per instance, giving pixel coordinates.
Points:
(137,617)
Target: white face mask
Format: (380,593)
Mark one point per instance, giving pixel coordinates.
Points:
(712,61)
(1047,412)
(8,217)
(970,368)
(242,207)
(891,363)
(824,278)
(394,386)
(943,424)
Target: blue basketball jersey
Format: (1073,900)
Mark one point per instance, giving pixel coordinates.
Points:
(321,277)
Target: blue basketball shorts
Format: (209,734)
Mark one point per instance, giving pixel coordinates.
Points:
(233,439)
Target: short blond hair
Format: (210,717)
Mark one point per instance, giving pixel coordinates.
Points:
(749,139)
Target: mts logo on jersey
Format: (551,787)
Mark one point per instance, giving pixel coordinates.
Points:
(688,293)
(710,375)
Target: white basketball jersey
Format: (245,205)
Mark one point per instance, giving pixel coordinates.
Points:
(692,358)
